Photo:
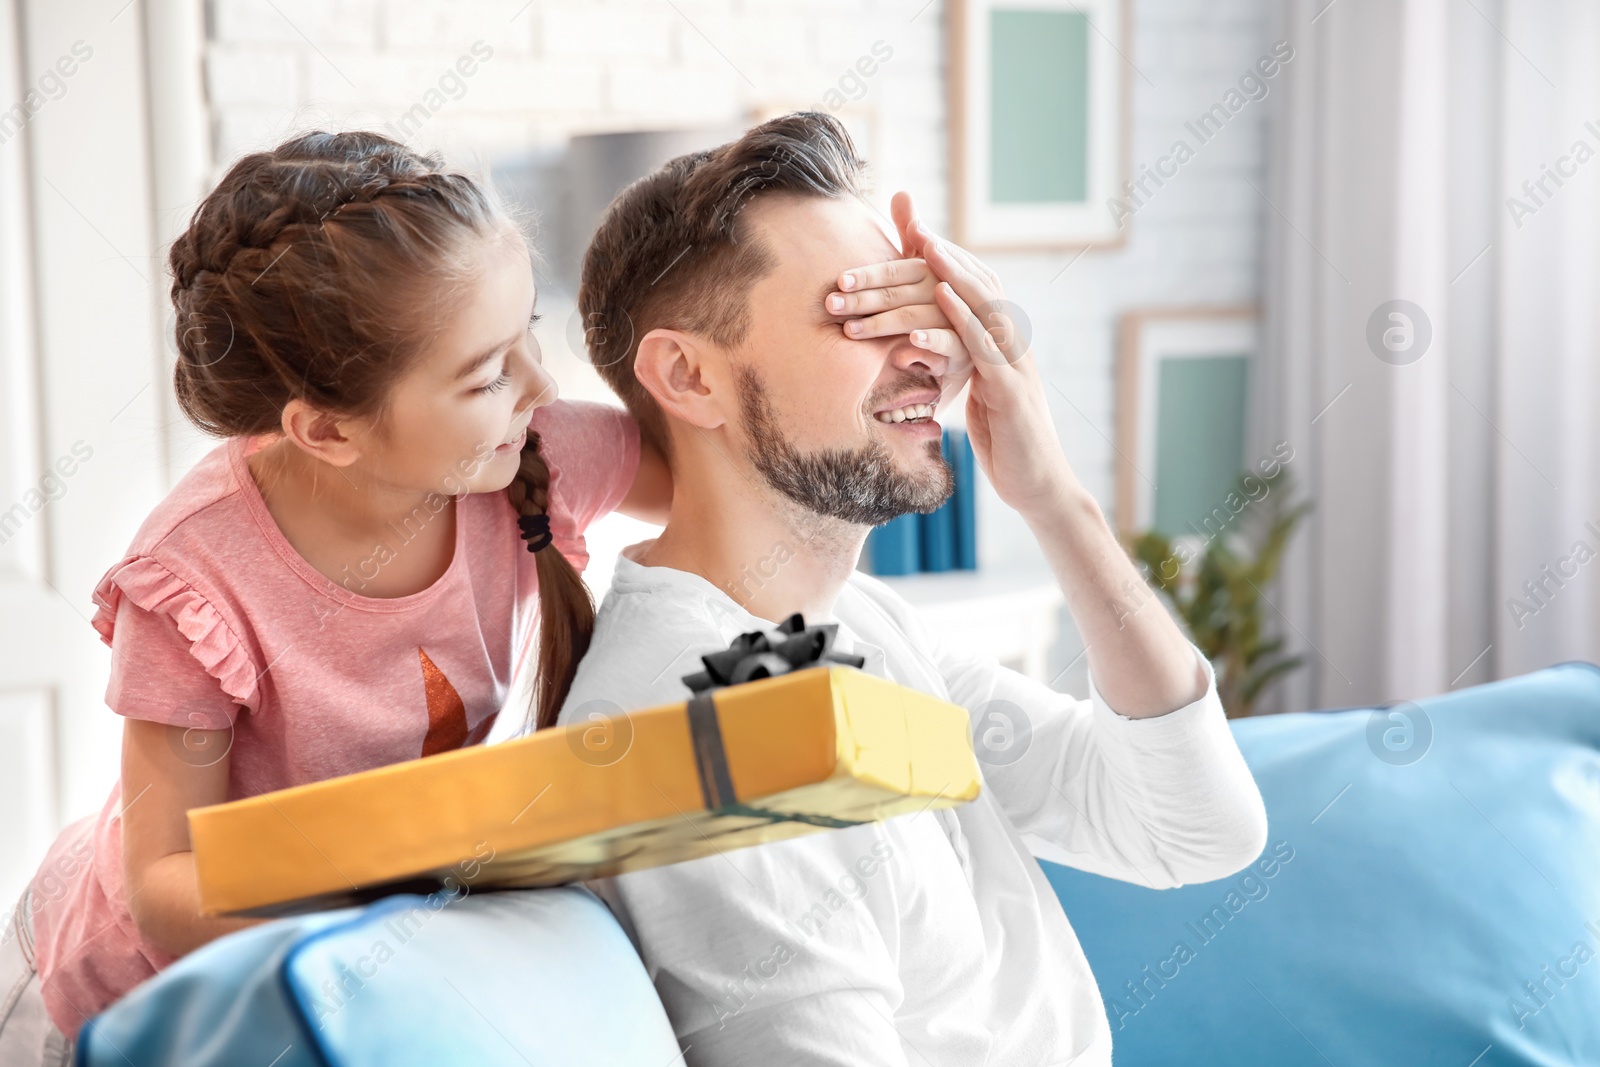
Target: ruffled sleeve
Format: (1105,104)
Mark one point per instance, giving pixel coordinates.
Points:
(174,623)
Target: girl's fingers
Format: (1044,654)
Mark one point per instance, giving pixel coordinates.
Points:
(883,298)
(897,320)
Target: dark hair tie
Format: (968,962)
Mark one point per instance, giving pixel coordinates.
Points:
(535,530)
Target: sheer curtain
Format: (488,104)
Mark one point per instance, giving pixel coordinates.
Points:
(1448,441)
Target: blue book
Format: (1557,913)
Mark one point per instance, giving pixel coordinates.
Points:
(939,531)
(894,548)
(939,540)
(965,500)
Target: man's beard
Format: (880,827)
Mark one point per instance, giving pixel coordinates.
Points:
(859,485)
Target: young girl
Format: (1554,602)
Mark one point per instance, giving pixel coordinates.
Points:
(347,581)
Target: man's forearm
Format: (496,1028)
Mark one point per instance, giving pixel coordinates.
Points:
(1140,661)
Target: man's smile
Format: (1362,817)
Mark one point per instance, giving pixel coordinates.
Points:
(912,413)
(907,413)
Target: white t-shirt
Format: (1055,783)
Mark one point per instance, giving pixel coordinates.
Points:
(928,939)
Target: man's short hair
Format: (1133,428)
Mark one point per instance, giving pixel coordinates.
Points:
(671,251)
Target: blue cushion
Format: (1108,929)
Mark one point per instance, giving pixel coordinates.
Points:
(533,977)
(1429,895)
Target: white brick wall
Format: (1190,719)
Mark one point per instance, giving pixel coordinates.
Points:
(559,66)
(332,24)
(566,66)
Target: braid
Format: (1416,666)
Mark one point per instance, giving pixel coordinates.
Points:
(292,275)
(566,611)
(268,192)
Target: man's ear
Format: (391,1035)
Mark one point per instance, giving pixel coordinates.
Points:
(320,434)
(682,375)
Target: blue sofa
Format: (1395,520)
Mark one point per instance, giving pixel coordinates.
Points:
(1430,895)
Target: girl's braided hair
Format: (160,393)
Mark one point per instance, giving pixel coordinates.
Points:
(317,271)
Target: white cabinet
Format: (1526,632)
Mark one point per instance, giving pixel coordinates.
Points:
(1014,617)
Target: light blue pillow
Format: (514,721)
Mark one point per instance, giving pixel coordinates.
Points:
(540,977)
(1429,896)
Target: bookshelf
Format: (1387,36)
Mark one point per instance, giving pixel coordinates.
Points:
(1014,617)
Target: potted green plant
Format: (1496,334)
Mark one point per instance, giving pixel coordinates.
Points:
(1215,585)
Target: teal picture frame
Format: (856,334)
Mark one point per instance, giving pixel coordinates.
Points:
(1038,120)
(1183,413)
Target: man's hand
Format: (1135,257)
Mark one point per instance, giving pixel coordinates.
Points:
(951,303)
(897,297)
(1140,661)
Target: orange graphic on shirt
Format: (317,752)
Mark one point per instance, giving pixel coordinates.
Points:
(447,713)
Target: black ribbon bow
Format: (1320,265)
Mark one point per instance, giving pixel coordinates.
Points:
(757,654)
(768,653)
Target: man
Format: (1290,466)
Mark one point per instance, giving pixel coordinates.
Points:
(726,283)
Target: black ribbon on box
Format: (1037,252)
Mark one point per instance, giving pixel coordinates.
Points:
(758,654)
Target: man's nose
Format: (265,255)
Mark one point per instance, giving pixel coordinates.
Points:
(905,356)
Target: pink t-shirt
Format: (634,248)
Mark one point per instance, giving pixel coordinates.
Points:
(215,621)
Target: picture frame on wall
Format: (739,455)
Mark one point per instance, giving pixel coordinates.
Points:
(1038,122)
(1183,385)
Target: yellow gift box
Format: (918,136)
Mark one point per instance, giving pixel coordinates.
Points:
(799,753)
